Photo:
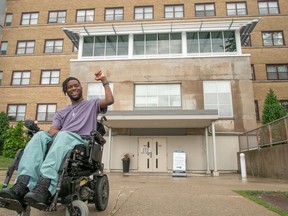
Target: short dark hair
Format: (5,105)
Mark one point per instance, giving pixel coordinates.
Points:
(64,84)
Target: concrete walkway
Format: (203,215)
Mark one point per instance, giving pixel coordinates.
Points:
(172,196)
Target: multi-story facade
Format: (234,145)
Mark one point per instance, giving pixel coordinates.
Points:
(186,75)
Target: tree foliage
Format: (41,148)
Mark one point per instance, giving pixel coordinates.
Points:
(272,109)
(4,125)
(14,139)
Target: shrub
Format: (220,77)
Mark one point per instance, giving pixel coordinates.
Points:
(272,109)
(14,139)
(4,125)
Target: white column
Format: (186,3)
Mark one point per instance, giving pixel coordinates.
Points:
(207,151)
(215,172)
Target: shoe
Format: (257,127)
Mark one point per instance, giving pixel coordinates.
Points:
(40,193)
(18,190)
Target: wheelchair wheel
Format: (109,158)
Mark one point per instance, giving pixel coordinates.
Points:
(101,196)
(80,207)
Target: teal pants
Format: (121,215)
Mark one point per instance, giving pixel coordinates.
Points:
(33,164)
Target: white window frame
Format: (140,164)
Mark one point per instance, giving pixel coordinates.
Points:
(141,13)
(16,111)
(96,90)
(151,95)
(214,92)
(46,112)
(57,17)
(21,78)
(54,46)
(8,19)
(25,47)
(85,15)
(174,11)
(3,48)
(50,77)
(114,14)
(29,18)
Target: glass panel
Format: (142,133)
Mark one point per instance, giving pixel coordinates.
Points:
(175,101)
(175,43)
(163,100)
(41,108)
(192,42)
(99,49)
(138,45)
(88,46)
(111,45)
(210,98)
(163,43)
(267,38)
(217,42)
(278,38)
(230,41)
(122,45)
(140,90)
(151,44)
(205,42)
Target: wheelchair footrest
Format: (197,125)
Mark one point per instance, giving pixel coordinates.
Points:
(39,206)
(12,204)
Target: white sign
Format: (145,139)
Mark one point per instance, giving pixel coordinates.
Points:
(179,161)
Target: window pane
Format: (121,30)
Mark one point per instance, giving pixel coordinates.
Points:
(99,46)
(122,45)
(111,45)
(138,45)
(217,42)
(163,42)
(175,43)
(230,41)
(151,44)
(192,42)
(205,43)
(88,46)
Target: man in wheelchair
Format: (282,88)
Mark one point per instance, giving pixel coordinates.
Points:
(37,174)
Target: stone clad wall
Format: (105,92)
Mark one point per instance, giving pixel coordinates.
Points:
(270,162)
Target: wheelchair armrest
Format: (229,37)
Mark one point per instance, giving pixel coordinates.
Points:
(97,137)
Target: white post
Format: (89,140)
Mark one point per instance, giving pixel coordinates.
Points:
(243,166)
(207,151)
(215,171)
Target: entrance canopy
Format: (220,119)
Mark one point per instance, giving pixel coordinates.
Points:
(245,26)
(161,118)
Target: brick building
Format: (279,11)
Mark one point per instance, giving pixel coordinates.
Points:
(186,76)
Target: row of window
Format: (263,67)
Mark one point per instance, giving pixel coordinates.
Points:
(217,95)
(52,77)
(48,77)
(147,44)
(274,72)
(147,12)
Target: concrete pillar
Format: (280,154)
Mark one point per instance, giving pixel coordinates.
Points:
(207,151)
(215,171)
(109,150)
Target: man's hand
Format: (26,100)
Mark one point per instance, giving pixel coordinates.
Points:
(100,76)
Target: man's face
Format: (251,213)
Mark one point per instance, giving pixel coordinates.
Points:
(74,90)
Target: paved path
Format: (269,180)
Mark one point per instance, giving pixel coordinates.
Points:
(151,195)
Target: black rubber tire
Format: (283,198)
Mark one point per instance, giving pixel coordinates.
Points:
(101,196)
(80,207)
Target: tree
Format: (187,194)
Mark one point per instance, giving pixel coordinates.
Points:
(14,139)
(4,125)
(272,109)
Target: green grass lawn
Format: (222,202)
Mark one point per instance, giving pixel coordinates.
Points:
(5,162)
(252,195)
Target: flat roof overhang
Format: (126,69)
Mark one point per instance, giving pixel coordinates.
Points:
(244,25)
(161,118)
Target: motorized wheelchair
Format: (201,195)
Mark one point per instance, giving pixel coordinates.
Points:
(81,178)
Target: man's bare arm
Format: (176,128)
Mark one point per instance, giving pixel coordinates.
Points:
(109,99)
(53,131)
